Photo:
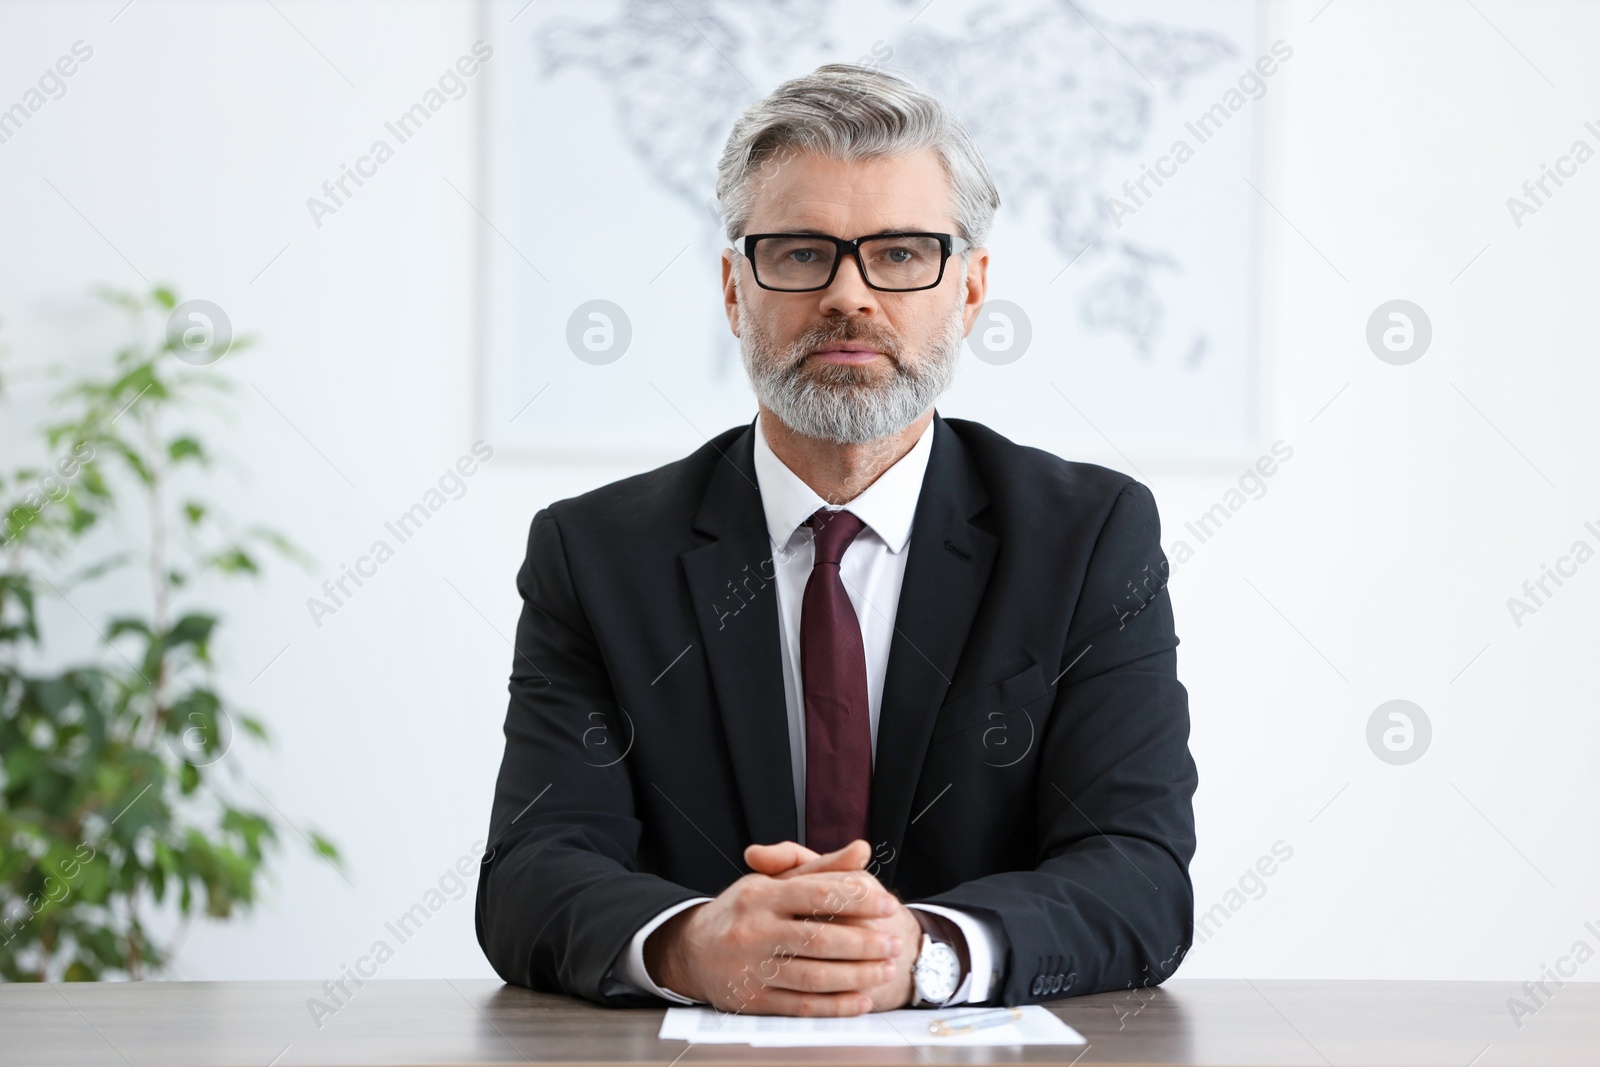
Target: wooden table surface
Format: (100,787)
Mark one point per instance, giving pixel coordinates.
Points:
(268,1024)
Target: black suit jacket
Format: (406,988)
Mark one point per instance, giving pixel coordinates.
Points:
(1032,760)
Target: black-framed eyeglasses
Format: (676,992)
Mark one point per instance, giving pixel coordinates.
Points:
(900,262)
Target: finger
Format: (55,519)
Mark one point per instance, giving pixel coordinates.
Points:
(788,858)
(830,976)
(840,894)
(840,940)
(815,1005)
(775,859)
(852,857)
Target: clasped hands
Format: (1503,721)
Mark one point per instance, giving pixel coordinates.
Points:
(804,934)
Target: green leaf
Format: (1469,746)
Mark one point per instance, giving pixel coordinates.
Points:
(194,512)
(18,519)
(80,971)
(234,561)
(51,695)
(98,568)
(125,624)
(285,548)
(119,297)
(324,847)
(93,481)
(158,882)
(22,763)
(192,629)
(196,718)
(182,448)
(140,384)
(135,462)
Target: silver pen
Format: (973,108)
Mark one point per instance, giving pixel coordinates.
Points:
(978,1020)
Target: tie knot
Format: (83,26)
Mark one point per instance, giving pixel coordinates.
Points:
(833,531)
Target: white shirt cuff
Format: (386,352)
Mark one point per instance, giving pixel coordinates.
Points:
(630,971)
(981,940)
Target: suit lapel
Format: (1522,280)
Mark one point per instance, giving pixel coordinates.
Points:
(735,601)
(946,575)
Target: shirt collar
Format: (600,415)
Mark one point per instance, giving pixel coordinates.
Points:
(887,506)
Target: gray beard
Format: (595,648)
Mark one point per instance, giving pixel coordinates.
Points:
(840,403)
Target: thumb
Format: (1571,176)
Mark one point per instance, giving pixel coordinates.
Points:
(787,859)
(773,860)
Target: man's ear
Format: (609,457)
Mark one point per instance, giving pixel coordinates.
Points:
(977,287)
(730,290)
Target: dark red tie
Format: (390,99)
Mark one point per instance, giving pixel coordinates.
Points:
(833,670)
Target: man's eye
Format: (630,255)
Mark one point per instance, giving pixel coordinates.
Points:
(899,255)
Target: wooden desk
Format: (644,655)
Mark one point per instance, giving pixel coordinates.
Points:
(267,1024)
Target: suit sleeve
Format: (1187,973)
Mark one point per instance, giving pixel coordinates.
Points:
(560,893)
(632,975)
(1110,904)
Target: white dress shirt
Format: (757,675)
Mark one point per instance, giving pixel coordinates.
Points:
(872,569)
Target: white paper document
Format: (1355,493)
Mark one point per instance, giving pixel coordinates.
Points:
(908,1026)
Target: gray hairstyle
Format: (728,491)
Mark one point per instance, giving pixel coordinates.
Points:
(851,112)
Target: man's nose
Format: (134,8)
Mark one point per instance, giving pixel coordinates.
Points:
(849,288)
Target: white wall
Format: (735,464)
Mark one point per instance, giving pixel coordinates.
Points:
(1377,565)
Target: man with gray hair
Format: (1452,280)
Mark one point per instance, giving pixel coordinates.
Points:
(919,678)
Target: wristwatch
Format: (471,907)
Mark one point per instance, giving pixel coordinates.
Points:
(940,968)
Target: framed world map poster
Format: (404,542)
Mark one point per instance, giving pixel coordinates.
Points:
(1120,325)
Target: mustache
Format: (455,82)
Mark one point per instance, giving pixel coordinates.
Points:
(819,340)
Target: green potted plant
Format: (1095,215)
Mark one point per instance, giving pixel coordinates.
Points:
(112,797)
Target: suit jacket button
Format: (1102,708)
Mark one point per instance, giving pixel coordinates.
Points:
(1038,985)
(1055,983)
(1071,978)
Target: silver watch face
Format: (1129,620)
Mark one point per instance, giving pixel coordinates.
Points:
(937,972)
